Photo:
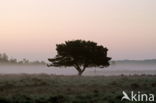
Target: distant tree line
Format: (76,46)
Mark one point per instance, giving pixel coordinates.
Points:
(4,59)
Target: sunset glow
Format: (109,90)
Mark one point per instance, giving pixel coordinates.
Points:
(32,28)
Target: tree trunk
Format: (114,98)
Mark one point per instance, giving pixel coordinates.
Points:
(80,73)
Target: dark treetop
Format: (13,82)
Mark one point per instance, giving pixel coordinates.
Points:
(80,54)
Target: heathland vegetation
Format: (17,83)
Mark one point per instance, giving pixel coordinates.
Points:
(43,88)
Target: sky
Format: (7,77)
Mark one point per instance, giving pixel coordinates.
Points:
(32,28)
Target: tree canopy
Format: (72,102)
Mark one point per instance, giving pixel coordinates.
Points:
(80,54)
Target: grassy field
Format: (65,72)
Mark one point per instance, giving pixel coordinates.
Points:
(43,88)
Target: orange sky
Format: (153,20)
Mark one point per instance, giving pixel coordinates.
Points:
(31,28)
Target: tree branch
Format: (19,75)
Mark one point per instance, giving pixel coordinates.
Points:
(77,67)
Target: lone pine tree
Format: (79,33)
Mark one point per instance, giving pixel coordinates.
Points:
(80,54)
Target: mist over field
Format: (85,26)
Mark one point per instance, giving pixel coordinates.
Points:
(124,67)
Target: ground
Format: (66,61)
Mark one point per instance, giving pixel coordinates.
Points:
(44,88)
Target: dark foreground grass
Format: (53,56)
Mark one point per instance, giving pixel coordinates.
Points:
(71,89)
